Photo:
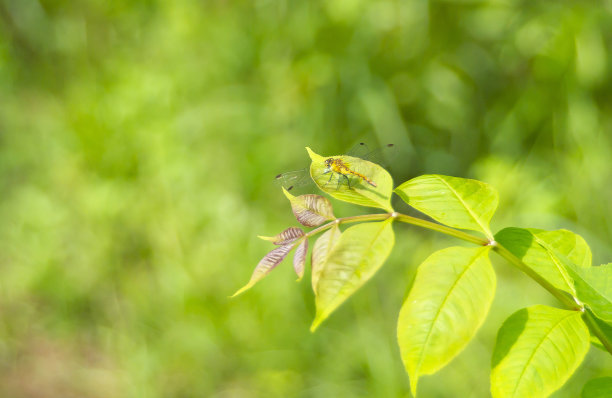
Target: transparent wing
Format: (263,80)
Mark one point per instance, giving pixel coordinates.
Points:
(382,155)
(294,179)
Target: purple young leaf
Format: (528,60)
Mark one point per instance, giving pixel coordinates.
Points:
(287,236)
(267,264)
(299,258)
(311,210)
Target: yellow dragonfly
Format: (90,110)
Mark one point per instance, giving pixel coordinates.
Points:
(337,167)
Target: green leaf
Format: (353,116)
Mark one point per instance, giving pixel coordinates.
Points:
(359,192)
(597,388)
(449,300)
(358,254)
(569,244)
(289,235)
(299,259)
(593,287)
(320,253)
(537,350)
(456,202)
(541,250)
(310,210)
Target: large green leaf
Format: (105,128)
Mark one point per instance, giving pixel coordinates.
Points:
(540,250)
(449,300)
(537,350)
(456,202)
(320,253)
(597,388)
(359,192)
(593,287)
(358,254)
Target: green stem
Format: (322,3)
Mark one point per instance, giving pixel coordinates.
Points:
(563,297)
(566,299)
(441,228)
(596,330)
(346,220)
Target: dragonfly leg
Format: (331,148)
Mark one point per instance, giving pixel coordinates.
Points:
(330,178)
(348,180)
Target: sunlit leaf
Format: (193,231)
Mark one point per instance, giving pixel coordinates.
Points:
(456,202)
(289,235)
(310,210)
(537,350)
(597,388)
(267,264)
(594,287)
(352,188)
(358,254)
(299,258)
(530,246)
(320,253)
(568,243)
(449,300)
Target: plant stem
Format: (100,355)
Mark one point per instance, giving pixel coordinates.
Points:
(441,228)
(346,220)
(596,330)
(566,299)
(563,297)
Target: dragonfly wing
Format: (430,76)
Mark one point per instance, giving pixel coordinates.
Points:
(359,150)
(294,179)
(382,155)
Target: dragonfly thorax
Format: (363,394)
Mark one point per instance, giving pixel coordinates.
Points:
(336,165)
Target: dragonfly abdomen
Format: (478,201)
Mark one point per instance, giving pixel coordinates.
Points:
(366,179)
(340,167)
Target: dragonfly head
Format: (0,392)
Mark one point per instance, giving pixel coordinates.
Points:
(328,163)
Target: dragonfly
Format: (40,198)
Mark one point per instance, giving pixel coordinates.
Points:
(337,167)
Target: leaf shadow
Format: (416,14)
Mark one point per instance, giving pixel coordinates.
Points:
(509,333)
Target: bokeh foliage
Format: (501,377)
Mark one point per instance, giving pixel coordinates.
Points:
(138,141)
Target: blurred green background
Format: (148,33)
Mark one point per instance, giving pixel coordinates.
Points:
(138,146)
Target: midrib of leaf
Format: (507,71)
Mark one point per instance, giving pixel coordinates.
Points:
(440,310)
(354,271)
(595,289)
(520,379)
(329,249)
(484,228)
(568,280)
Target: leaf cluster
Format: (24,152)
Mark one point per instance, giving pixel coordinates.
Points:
(537,348)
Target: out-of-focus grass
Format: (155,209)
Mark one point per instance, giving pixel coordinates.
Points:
(138,141)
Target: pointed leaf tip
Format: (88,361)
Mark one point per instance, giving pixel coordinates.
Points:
(289,235)
(267,264)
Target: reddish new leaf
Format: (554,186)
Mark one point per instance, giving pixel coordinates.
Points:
(299,258)
(267,264)
(311,210)
(289,235)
